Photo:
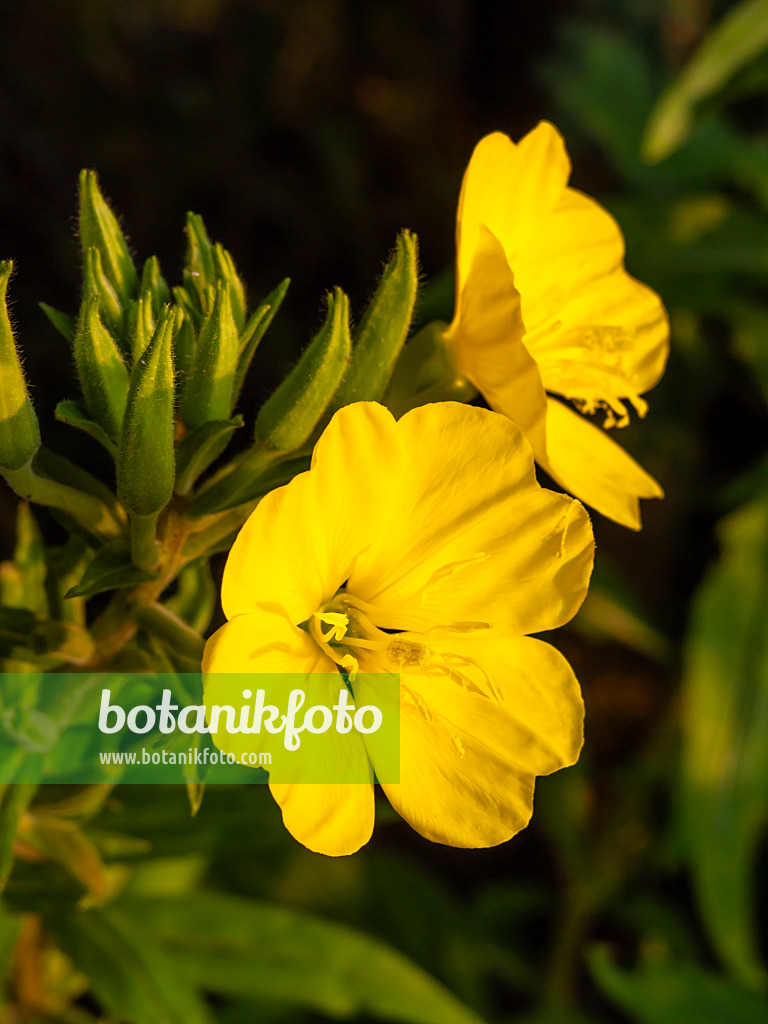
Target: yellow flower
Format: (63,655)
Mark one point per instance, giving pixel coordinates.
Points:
(423,546)
(545,307)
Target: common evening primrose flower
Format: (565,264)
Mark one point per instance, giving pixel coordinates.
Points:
(545,308)
(424,547)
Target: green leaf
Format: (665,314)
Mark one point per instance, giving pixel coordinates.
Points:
(63,323)
(73,414)
(237,947)
(254,331)
(290,414)
(110,569)
(16,627)
(14,801)
(739,38)
(724,782)
(199,449)
(377,342)
(669,993)
(22,582)
(10,926)
(132,978)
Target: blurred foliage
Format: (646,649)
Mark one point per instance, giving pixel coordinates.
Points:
(309,132)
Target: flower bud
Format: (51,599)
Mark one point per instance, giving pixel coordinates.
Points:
(383,329)
(200,267)
(145,464)
(288,417)
(96,282)
(99,229)
(103,374)
(226,271)
(208,392)
(19,431)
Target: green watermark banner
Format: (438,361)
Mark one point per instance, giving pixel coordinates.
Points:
(229,728)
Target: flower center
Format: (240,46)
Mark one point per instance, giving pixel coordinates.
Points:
(344,626)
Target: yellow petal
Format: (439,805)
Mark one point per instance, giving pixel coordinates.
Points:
(585,461)
(475,538)
(468,761)
(598,336)
(503,184)
(486,340)
(300,544)
(334,819)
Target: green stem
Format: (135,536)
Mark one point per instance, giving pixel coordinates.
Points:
(170,628)
(144,549)
(87,510)
(16,799)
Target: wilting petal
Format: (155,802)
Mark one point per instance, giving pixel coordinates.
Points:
(468,759)
(587,462)
(300,544)
(486,339)
(475,539)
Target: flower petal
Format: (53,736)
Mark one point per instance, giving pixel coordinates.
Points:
(505,184)
(300,543)
(475,539)
(598,336)
(331,818)
(584,460)
(486,340)
(467,761)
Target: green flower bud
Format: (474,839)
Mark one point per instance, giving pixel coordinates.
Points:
(184,343)
(200,266)
(103,374)
(226,271)
(288,417)
(152,281)
(383,329)
(208,392)
(145,463)
(19,431)
(145,325)
(99,229)
(96,282)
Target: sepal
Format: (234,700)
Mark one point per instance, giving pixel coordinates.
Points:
(208,392)
(19,430)
(100,368)
(99,229)
(382,332)
(290,414)
(96,282)
(145,463)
